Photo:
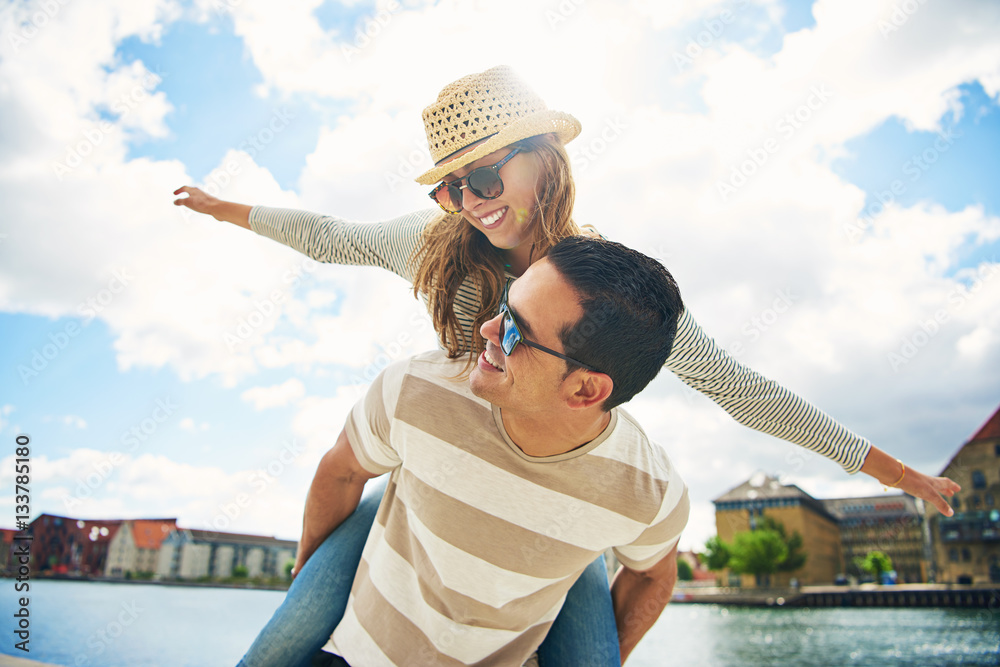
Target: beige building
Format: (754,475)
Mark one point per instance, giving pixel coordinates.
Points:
(135,547)
(892,524)
(740,509)
(967,545)
(193,554)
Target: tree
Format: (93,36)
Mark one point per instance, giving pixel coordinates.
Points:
(240,572)
(757,552)
(289,566)
(716,554)
(875,563)
(684,571)
(796,558)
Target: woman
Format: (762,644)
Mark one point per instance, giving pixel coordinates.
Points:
(504,183)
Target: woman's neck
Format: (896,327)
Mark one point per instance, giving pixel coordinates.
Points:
(518,259)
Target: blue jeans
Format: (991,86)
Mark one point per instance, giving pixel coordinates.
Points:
(584,634)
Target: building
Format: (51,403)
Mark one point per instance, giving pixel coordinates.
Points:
(8,563)
(892,524)
(135,548)
(740,509)
(195,554)
(63,545)
(967,544)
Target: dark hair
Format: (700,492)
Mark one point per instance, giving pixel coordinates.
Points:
(630,308)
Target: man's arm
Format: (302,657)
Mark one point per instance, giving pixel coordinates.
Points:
(334,494)
(639,597)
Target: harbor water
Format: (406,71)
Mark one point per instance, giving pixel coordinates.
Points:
(136,625)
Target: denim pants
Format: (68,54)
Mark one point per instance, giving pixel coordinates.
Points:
(584,634)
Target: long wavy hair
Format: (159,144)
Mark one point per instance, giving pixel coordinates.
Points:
(454,251)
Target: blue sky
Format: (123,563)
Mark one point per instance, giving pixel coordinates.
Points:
(200,83)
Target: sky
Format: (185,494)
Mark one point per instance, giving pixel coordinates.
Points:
(819,177)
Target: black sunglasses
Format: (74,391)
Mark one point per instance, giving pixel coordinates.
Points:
(484,182)
(510,335)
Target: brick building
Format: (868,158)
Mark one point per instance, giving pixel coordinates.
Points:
(967,544)
(63,545)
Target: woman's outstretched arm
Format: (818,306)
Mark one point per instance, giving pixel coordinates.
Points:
(764,405)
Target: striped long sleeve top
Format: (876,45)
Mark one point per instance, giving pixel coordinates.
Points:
(750,398)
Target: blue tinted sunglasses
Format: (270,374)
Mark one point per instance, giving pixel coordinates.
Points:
(510,335)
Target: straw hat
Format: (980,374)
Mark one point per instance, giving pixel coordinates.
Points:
(494,105)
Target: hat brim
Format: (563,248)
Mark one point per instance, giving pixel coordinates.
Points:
(563,125)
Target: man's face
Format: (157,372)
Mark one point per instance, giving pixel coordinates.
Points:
(529,380)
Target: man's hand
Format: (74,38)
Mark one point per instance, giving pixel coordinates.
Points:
(334,494)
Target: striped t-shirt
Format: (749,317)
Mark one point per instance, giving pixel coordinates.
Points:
(750,398)
(476,544)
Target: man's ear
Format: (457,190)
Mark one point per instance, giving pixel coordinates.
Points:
(588,389)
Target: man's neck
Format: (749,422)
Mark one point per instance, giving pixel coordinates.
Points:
(540,435)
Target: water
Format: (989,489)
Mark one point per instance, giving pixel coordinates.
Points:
(137,625)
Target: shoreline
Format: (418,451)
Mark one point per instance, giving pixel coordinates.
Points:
(160,582)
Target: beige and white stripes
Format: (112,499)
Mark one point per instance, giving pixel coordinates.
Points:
(750,398)
(476,544)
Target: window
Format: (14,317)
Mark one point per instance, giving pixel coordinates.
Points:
(966,556)
(953,555)
(996,449)
(975,502)
(956,503)
(988,499)
(978,479)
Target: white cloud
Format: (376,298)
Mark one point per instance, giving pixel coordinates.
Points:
(277,395)
(72,421)
(188,424)
(657,143)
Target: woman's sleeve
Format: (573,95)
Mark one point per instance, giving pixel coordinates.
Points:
(754,401)
(325,238)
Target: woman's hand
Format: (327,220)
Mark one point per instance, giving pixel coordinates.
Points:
(200,201)
(893,472)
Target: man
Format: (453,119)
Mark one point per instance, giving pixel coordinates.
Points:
(505,486)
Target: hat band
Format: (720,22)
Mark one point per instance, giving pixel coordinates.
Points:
(477,141)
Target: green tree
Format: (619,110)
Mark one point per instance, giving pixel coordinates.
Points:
(684,571)
(289,566)
(240,572)
(796,557)
(757,552)
(716,554)
(875,563)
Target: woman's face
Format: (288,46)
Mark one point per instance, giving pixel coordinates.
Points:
(503,220)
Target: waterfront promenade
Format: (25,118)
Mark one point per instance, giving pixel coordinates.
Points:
(980,596)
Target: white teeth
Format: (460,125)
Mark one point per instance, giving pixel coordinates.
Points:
(490,359)
(489,220)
